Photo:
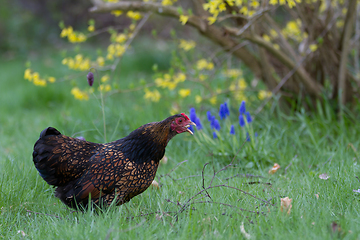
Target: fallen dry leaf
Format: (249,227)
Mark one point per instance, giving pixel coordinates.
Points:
(286,204)
(242,230)
(155,184)
(317,196)
(274,168)
(324,176)
(164,160)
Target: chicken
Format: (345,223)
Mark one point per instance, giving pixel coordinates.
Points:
(115,171)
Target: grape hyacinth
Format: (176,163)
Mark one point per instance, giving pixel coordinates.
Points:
(242,108)
(244,120)
(232,130)
(248,117)
(241,120)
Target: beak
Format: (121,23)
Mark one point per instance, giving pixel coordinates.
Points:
(187,127)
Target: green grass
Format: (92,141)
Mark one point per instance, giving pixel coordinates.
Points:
(307,144)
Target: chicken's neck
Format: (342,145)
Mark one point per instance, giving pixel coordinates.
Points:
(146,143)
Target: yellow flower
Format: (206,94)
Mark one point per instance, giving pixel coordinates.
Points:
(168,2)
(211,20)
(180,77)
(78,94)
(291,3)
(210,66)
(184,92)
(100,61)
(213,100)
(116,13)
(51,79)
(244,11)
(132,27)
(254,4)
(183,19)
(313,47)
(187,45)
(201,64)
(81,37)
(91,28)
(134,15)
(273,33)
(105,78)
(242,84)
(104,88)
(66,32)
(273,2)
(120,38)
(72,37)
(264,94)
(110,57)
(266,38)
(198,99)
(202,77)
(276,46)
(120,50)
(233,73)
(27,74)
(39,82)
(64,61)
(152,95)
(35,76)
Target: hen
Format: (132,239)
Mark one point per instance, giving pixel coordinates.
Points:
(115,171)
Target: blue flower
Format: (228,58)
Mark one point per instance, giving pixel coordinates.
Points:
(209,117)
(248,117)
(222,111)
(232,130)
(214,135)
(192,114)
(227,112)
(217,125)
(242,108)
(241,120)
(198,123)
(191,128)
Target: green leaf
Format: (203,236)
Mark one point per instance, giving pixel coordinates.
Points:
(180,10)
(62,24)
(320,40)
(91,22)
(154,33)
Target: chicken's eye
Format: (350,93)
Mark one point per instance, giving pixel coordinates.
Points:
(180,120)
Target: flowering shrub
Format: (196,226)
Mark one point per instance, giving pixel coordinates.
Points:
(223,135)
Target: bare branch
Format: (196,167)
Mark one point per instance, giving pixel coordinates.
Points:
(350,16)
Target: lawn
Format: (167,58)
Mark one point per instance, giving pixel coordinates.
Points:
(304,145)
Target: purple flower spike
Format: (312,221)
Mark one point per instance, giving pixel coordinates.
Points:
(242,108)
(241,120)
(217,125)
(222,112)
(232,130)
(212,122)
(209,117)
(227,112)
(248,117)
(191,128)
(90,78)
(215,135)
(192,114)
(198,124)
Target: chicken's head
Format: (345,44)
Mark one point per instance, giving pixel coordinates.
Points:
(181,123)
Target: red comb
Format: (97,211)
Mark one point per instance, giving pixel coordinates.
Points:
(186,117)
